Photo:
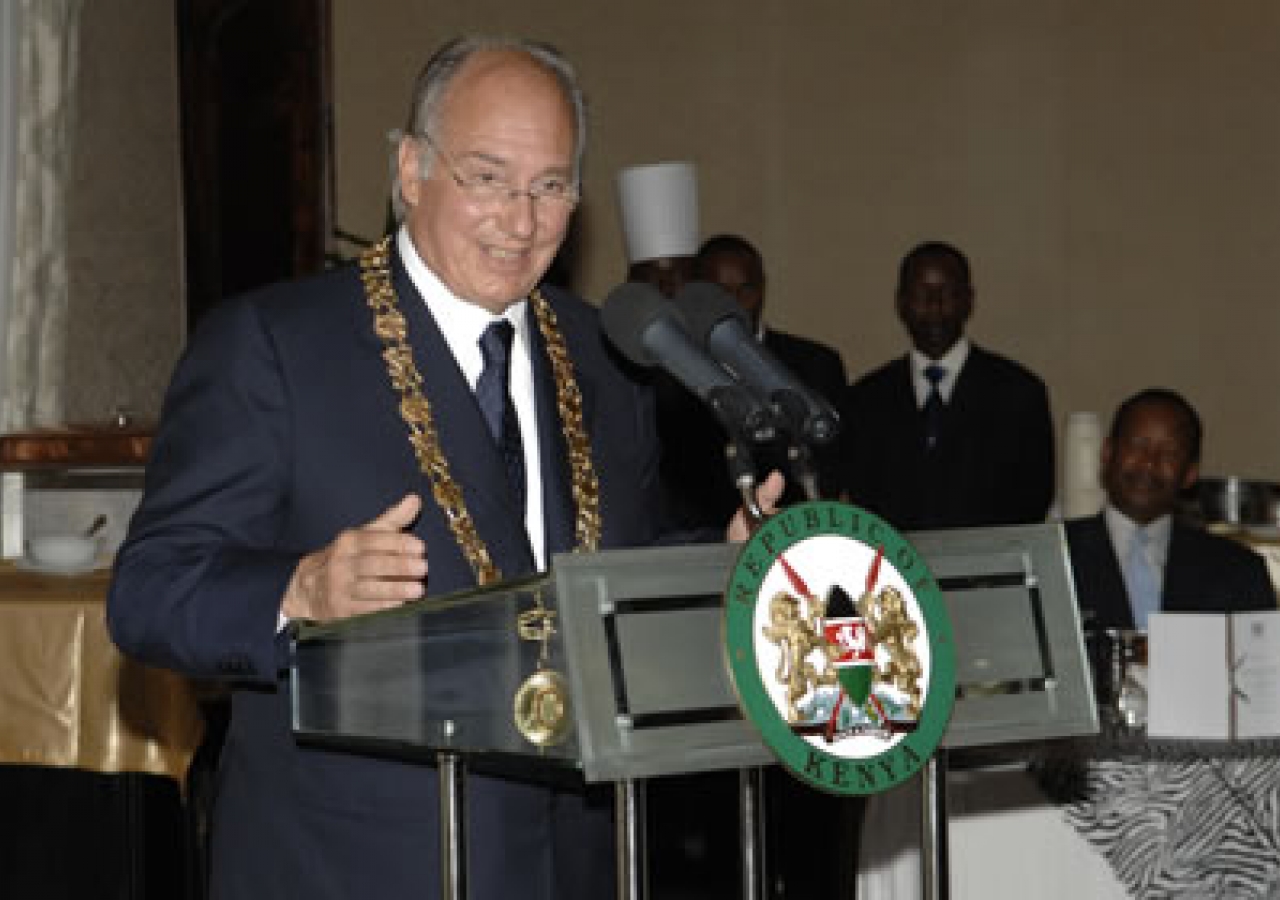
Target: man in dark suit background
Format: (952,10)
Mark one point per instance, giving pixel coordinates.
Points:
(354,441)
(732,262)
(950,435)
(1135,557)
(694,473)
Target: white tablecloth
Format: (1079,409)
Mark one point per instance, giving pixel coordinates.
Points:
(1167,825)
(1006,841)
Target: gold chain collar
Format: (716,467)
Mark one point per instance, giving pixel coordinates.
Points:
(390,326)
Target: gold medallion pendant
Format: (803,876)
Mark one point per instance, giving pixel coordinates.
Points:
(542,708)
(542,700)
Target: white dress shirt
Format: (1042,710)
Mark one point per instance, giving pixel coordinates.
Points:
(952,361)
(462,323)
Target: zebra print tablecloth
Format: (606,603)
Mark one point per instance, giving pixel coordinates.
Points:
(1184,828)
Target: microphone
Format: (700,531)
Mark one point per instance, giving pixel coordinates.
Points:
(720,324)
(649,330)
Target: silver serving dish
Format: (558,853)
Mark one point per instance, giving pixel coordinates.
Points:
(1232,501)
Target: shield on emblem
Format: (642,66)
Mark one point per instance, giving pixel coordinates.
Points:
(847,631)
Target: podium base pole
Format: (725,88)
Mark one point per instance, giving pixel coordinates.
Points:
(751,808)
(936,873)
(629,829)
(453,847)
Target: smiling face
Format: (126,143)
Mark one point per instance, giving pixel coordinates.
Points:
(504,115)
(1149,461)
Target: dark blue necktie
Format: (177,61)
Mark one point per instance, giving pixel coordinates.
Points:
(494,397)
(933,405)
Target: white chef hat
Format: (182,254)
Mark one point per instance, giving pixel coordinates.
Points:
(659,206)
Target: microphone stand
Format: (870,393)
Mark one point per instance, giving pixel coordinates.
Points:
(746,421)
(791,408)
(800,459)
(734,407)
(743,432)
(742,472)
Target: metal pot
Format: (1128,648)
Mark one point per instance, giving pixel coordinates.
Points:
(1228,500)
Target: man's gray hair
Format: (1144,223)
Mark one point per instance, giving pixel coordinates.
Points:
(433,82)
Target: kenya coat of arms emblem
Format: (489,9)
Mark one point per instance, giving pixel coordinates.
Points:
(840,647)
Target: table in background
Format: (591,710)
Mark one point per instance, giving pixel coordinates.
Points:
(94,750)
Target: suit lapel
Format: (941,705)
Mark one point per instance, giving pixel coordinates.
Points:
(968,395)
(963,389)
(553,453)
(557,493)
(906,410)
(1099,582)
(1184,587)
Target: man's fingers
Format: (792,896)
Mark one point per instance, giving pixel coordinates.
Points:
(400,516)
(373,566)
(387,591)
(386,535)
(770,491)
(389,565)
(388,555)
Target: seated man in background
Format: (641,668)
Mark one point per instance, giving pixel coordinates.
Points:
(1149,456)
(949,435)
(695,476)
(1134,558)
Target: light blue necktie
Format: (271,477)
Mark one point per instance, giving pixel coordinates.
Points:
(1140,579)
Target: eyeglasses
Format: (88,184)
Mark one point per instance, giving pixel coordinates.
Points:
(486,183)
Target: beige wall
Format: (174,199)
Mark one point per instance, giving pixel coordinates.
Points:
(1113,169)
(125,239)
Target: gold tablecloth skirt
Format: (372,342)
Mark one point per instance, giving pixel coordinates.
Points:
(68,698)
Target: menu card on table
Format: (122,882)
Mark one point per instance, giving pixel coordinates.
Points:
(1214,676)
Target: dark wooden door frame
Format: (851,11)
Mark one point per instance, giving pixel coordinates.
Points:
(256,123)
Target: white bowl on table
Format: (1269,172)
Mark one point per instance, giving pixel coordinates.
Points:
(62,552)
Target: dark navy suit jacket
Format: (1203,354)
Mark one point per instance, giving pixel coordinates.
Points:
(1203,573)
(993,464)
(280,429)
